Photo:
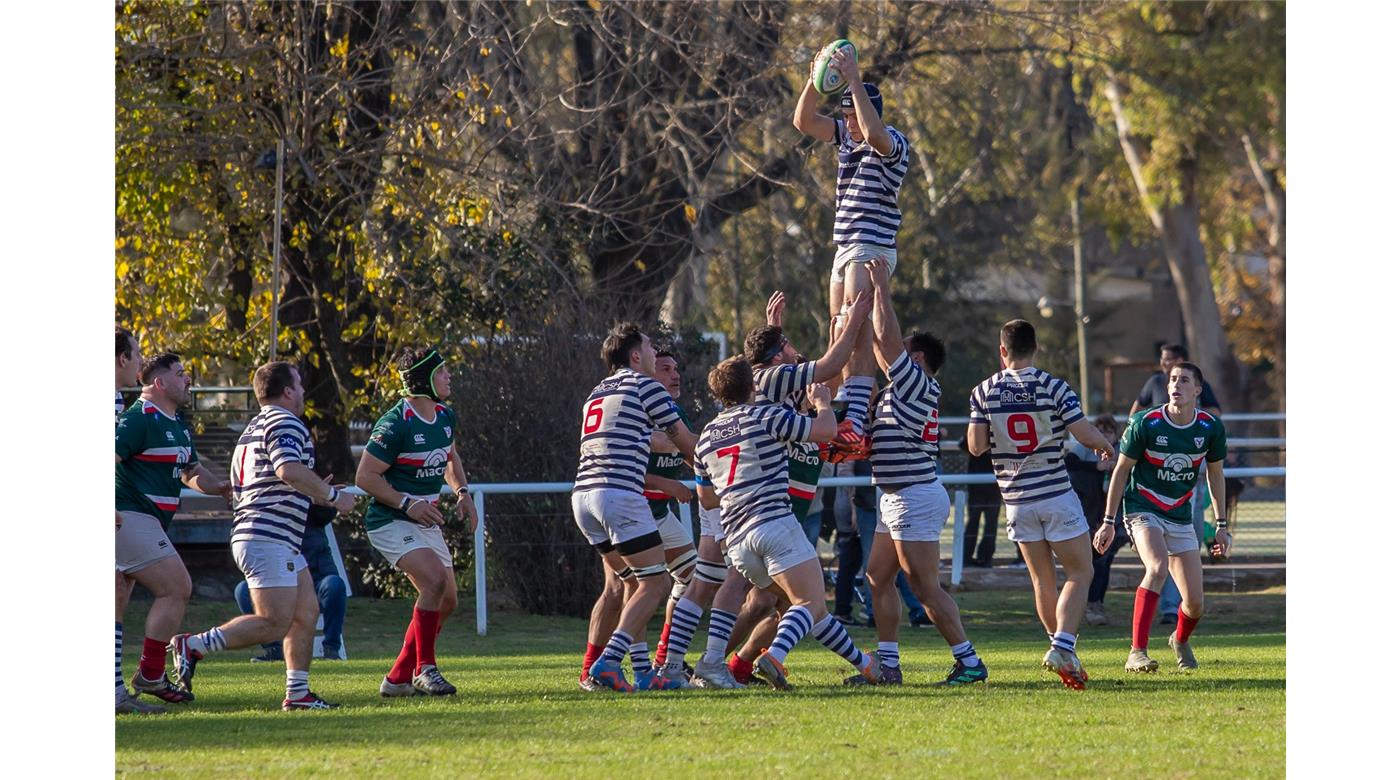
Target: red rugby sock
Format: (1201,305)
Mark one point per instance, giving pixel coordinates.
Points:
(741,669)
(591,653)
(661,644)
(1144,610)
(427,622)
(1185,624)
(402,670)
(153,658)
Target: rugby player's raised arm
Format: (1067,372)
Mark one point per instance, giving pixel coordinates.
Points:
(806,119)
(836,357)
(1116,485)
(889,343)
(824,425)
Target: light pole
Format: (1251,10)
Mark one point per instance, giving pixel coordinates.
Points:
(1081,318)
(273,159)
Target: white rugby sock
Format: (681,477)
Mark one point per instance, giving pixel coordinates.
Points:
(721,627)
(858,390)
(889,654)
(211,641)
(298,684)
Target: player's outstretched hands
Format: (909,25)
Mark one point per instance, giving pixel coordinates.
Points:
(424,513)
(1104,536)
(846,65)
(776,302)
(818,395)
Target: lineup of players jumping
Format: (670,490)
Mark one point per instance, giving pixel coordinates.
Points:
(754,466)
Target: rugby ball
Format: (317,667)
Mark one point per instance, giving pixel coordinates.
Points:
(826,79)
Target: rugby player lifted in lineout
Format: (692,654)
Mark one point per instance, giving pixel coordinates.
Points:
(872,159)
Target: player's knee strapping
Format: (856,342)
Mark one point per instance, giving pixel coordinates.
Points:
(624,573)
(644,572)
(682,568)
(712,572)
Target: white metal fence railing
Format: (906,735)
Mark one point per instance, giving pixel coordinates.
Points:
(954,482)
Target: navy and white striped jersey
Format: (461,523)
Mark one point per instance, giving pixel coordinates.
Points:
(784,383)
(867,186)
(618,418)
(266,509)
(1026,411)
(904,437)
(743,455)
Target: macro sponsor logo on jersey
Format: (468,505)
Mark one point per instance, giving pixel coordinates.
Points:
(1176,468)
(669,460)
(809,456)
(434,465)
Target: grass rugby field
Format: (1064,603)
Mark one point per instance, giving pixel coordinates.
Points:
(520,713)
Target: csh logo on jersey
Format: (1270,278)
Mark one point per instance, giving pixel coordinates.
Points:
(1176,468)
(727,432)
(434,464)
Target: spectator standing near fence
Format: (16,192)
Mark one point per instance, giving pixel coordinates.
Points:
(983,512)
(410,455)
(273,488)
(1088,474)
(1159,457)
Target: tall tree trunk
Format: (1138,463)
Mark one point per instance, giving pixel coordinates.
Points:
(1275,202)
(1179,228)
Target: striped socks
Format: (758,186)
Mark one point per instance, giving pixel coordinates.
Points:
(834,637)
(685,621)
(796,622)
(858,391)
(721,628)
(889,654)
(617,647)
(211,641)
(298,684)
(964,653)
(641,657)
(1063,640)
(121,684)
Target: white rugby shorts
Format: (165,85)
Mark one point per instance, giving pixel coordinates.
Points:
(674,534)
(915,514)
(612,515)
(141,542)
(771,548)
(399,537)
(1180,537)
(860,253)
(710,525)
(1056,519)
(268,564)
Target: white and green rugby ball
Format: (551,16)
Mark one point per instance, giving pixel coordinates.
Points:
(825,78)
